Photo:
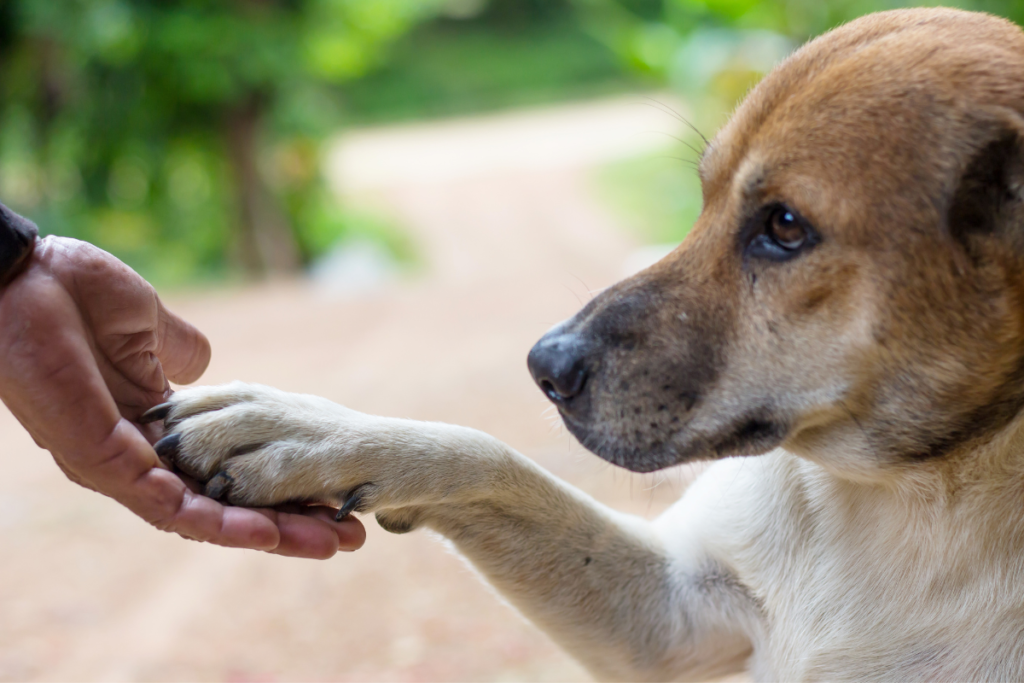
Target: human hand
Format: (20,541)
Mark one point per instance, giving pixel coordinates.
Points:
(86,347)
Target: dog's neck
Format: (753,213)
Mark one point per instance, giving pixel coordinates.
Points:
(992,466)
(985,476)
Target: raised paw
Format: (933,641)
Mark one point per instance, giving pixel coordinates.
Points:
(254,445)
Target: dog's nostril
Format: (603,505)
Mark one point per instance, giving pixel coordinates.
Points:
(552,393)
(569,388)
(558,365)
(564,386)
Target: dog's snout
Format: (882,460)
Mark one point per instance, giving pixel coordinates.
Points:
(559,366)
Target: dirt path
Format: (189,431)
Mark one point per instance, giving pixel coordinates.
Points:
(513,238)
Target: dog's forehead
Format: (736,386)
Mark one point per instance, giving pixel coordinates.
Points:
(874,106)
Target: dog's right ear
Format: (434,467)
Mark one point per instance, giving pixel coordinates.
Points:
(989,197)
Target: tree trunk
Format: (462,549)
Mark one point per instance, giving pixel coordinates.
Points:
(264,241)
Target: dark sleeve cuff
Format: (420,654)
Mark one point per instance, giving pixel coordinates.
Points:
(17,240)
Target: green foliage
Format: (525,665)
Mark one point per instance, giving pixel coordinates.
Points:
(458,67)
(115,116)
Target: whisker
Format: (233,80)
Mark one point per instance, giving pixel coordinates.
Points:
(669,110)
(657,479)
(590,292)
(682,142)
(690,163)
(574,293)
(682,159)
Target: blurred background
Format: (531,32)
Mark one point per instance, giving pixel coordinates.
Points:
(188,137)
(384,202)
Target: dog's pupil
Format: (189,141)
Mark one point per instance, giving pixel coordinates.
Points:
(786,230)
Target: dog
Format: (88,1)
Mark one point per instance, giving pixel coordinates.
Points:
(842,332)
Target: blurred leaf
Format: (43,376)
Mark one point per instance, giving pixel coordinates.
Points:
(138,124)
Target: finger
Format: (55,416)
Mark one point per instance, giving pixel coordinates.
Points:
(151,432)
(303,536)
(50,381)
(167,502)
(350,531)
(313,536)
(48,374)
(135,334)
(121,312)
(182,349)
(197,517)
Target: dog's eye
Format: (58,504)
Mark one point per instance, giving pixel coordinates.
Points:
(784,228)
(783,234)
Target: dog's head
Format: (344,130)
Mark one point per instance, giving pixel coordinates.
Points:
(854,287)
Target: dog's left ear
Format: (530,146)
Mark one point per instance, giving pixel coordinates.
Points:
(989,198)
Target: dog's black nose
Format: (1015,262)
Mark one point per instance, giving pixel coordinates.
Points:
(559,366)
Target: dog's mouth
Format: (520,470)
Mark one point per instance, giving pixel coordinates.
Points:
(636,448)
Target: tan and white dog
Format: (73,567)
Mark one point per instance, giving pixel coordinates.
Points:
(849,308)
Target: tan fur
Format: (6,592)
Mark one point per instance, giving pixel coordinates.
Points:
(878,372)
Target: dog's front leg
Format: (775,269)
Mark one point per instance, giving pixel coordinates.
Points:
(598,582)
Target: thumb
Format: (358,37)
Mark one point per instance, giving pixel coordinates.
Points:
(183,350)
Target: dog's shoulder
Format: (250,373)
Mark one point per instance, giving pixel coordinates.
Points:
(744,518)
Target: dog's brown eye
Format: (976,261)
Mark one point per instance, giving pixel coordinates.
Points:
(778,233)
(786,229)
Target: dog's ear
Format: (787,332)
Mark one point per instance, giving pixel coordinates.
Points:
(989,198)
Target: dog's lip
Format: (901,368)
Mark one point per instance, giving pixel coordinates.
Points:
(659,457)
(684,445)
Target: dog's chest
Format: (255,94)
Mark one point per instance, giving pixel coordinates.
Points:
(869,631)
(866,592)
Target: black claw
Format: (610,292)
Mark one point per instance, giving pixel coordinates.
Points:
(156,413)
(168,447)
(351,503)
(218,486)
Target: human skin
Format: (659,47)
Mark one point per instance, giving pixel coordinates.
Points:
(86,347)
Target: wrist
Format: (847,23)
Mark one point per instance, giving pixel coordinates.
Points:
(18,238)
